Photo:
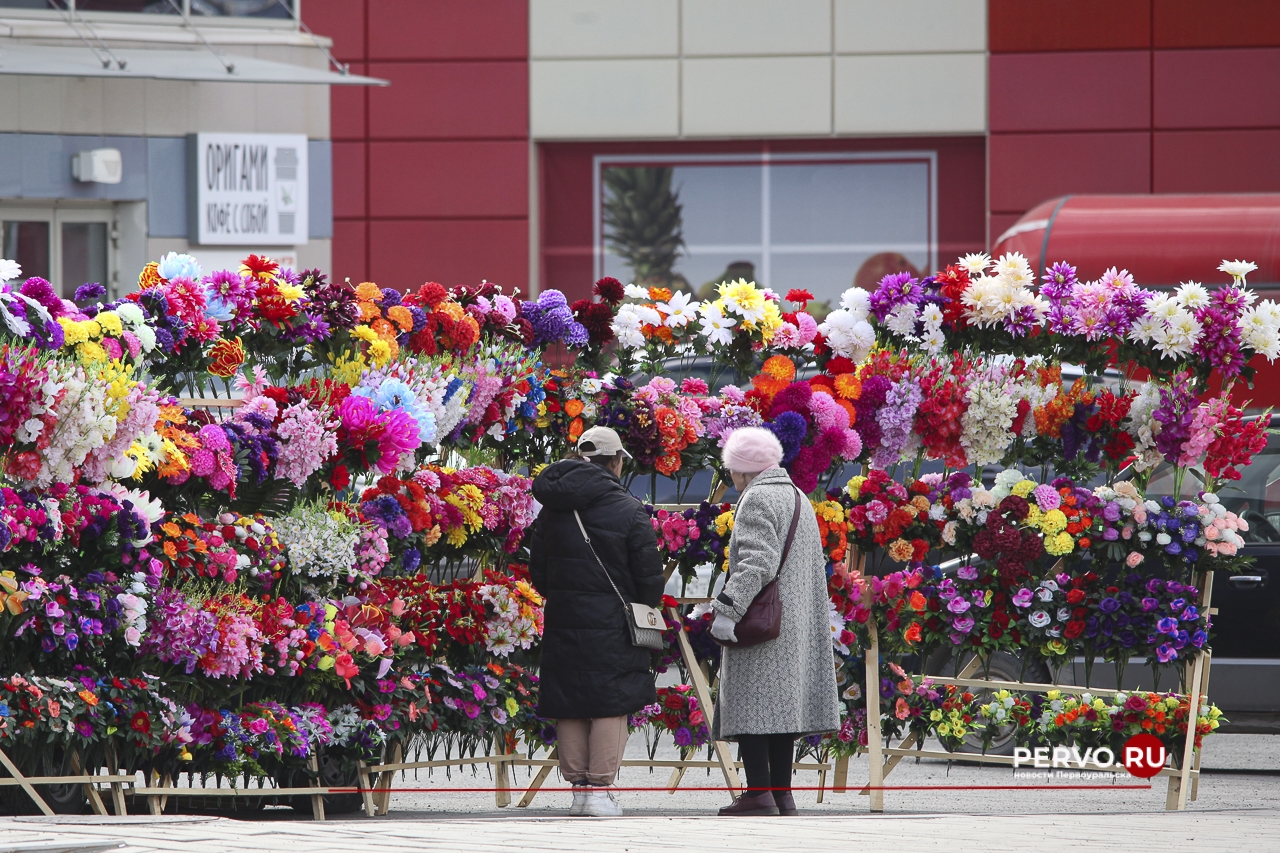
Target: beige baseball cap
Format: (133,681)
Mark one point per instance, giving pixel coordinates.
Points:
(601,440)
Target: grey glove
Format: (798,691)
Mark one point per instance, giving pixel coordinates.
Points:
(722,628)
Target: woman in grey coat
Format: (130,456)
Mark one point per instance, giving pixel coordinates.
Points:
(785,688)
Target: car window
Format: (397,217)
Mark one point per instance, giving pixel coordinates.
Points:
(1255,497)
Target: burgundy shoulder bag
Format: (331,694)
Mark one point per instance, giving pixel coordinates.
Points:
(763,620)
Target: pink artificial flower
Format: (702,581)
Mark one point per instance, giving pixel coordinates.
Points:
(808,327)
(786,336)
(694,385)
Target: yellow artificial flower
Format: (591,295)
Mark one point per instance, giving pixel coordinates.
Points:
(1034,515)
(138,454)
(290,292)
(91,352)
(380,353)
(348,367)
(743,298)
(1054,521)
(512,706)
(1022,488)
(73,332)
(1059,545)
(724,523)
(110,323)
(854,488)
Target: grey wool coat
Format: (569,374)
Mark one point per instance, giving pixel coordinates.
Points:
(785,685)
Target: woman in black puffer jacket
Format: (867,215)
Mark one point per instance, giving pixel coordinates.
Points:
(591,675)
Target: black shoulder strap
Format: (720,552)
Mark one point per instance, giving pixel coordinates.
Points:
(791,532)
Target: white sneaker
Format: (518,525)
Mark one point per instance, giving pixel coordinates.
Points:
(601,803)
(580,793)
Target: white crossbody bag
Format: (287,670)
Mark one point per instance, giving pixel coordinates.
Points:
(645,624)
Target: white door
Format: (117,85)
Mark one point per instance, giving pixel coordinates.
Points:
(69,244)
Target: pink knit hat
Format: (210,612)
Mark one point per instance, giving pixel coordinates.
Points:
(750,450)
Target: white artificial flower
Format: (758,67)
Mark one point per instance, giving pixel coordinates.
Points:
(976,263)
(635,291)
(716,326)
(626,327)
(1192,295)
(1012,263)
(933,341)
(1179,335)
(931,315)
(1145,329)
(648,315)
(1020,277)
(130,313)
(857,302)
(902,319)
(9,270)
(1162,305)
(1237,269)
(679,309)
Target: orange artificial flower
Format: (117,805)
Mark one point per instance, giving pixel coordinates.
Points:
(150,276)
(779,367)
(226,357)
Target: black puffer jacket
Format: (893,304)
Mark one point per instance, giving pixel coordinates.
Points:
(589,667)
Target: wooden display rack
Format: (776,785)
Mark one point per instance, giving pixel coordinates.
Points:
(378,792)
(115,783)
(1183,778)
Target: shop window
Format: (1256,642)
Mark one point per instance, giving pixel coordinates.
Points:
(819,222)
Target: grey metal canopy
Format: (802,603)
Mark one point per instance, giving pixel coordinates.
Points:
(145,64)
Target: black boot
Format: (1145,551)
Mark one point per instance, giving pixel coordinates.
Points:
(759,803)
(786,802)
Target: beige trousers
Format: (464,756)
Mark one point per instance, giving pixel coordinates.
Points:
(591,750)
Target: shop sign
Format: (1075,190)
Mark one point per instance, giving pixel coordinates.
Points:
(250,188)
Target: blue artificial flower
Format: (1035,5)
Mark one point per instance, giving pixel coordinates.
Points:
(174,265)
(217,308)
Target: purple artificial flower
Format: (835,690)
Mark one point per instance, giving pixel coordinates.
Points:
(894,290)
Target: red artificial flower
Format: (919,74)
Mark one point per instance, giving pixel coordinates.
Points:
(799,296)
(141,722)
(340,478)
(610,290)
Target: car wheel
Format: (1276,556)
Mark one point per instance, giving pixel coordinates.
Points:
(334,773)
(63,799)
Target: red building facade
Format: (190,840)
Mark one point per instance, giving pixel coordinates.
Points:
(432,175)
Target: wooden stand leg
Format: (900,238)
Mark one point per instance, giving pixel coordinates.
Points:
(1180,785)
(703,692)
(1204,690)
(677,774)
(841,781)
(875,742)
(118,805)
(501,780)
(822,782)
(317,800)
(26,786)
(90,790)
(366,793)
(383,797)
(538,779)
